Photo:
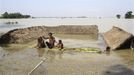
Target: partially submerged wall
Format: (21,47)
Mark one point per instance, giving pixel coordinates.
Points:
(28,34)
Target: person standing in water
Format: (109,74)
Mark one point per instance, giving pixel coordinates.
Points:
(51,41)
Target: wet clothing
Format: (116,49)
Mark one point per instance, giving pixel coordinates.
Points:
(50,43)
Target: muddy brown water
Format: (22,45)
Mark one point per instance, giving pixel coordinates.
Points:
(21,60)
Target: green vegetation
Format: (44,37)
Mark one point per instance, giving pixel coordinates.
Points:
(14,15)
(89,50)
(129,15)
(118,16)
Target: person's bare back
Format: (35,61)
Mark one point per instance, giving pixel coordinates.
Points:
(51,41)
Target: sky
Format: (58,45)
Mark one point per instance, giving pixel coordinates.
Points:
(46,8)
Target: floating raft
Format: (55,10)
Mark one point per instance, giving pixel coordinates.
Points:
(90,50)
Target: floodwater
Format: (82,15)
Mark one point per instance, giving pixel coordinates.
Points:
(21,61)
(103,24)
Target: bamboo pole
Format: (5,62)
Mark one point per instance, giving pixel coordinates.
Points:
(37,66)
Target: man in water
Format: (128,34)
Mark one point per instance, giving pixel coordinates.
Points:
(108,49)
(41,43)
(132,44)
(51,41)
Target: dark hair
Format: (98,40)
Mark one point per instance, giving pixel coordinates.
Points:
(50,33)
(107,48)
(60,40)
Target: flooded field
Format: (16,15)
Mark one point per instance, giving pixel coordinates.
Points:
(17,60)
(103,24)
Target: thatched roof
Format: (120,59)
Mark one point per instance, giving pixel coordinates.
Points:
(117,38)
(23,35)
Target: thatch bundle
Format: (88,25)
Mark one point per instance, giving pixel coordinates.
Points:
(23,35)
(117,38)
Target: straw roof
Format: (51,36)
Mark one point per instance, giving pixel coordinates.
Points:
(29,34)
(117,38)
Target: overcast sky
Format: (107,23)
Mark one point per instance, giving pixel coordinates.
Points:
(92,8)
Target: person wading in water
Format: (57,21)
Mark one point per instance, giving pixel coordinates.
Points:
(41,43)
(60,45)
(51,42)
(132,44)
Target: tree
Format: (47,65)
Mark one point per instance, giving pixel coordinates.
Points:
(5,15)
(129,14)
(26,16)
(14,15)
(118,16)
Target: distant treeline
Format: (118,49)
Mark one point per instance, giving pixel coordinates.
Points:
(14,15)
(128,15)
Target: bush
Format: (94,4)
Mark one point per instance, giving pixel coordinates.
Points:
(129,15)
(14,15)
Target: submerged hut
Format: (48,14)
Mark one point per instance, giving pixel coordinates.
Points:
(117,38)
(29,34)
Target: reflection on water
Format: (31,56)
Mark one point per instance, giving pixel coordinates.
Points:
(118,70)
(41,51)
(60,54)
(50,54)
(128,56)
(7,27)
(67,62)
